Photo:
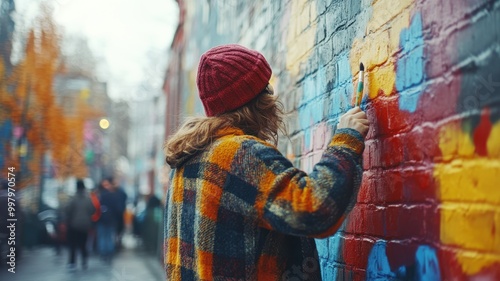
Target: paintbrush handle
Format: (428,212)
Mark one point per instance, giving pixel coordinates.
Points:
(359,93)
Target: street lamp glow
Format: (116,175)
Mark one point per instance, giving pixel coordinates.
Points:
(104,123)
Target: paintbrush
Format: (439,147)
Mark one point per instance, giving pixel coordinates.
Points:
(359,95)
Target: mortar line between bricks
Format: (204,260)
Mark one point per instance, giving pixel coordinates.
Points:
(481,11)
(406,205)
(470,158)
(458,66)
(417,241)
(429,165)
(453,27)
(464,203)
(402,241)
(345,266)
(460,248)
(455,117)
(405,167)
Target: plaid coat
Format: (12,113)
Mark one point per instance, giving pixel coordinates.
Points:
(241,211)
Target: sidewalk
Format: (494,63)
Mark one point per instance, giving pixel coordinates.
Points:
(42,264)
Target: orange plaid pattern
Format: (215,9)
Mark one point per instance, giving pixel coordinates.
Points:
(240,210)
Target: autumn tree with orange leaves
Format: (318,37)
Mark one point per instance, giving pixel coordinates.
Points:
(27,97)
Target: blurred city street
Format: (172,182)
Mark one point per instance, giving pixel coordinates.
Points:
(81,131)
(132,263)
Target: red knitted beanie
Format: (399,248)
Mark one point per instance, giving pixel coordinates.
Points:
(229,76)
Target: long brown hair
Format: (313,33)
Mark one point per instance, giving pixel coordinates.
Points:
(262,117)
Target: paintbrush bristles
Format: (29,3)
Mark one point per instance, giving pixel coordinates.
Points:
(361,67)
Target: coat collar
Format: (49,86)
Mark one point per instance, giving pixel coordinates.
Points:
(229,131)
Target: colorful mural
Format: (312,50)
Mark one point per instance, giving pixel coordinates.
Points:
(428,207)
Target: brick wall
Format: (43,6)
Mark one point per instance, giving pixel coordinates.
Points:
(429,205)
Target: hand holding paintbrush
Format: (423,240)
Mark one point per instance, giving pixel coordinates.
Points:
(355,118)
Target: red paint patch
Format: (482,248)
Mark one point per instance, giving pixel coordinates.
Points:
(390,187)
(449,266)
(390,120)
(400,254)
(366,194)
(356,252)
(405,222)
(392,152)
(366,219)
(432,223)
(418,185)
(482,133)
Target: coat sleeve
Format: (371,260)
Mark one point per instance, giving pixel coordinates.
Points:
(290,201)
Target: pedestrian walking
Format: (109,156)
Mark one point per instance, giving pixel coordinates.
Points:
(237,209)
(110,202)
(91,242)
(122,206)
(79,213)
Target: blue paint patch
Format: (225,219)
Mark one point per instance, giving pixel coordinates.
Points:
(378,265)
(316,105)
(335,251)
(331,254)
(342,88)
(424,268)
(311,110)
(427,264)
(410,67)
(327,272)
(322,247)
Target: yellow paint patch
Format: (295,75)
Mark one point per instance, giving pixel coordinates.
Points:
(301,34)
(401,21)
(468,226)
(470,264)
(385,11)
(376,50)
(382,80)
(372,52)
(474,181)
(468,190)
(453,142)
(493,143)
